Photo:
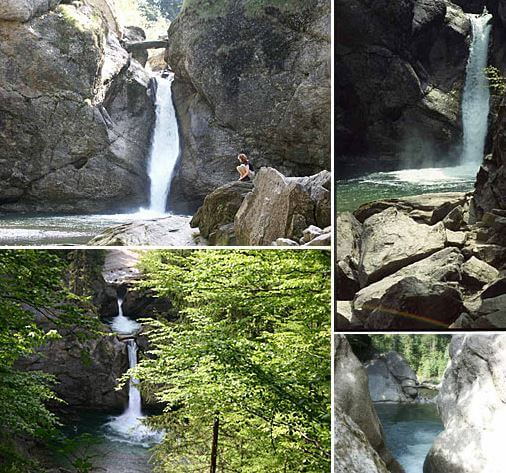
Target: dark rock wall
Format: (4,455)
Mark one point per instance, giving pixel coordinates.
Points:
(251,77)
(399,70)
(75,116)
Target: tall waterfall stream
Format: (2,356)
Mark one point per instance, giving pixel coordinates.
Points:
(352,193)
(124,439)
(26,229)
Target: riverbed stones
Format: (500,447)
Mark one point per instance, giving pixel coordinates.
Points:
(391,379)
(391,240)
(472,408)
(282,207)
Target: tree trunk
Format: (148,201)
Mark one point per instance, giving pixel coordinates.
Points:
(214,446)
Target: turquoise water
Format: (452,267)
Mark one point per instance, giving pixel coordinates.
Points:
(410,430)
(109,454)
(352,193)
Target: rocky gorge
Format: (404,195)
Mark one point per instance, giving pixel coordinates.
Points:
(468,402)
(431,261)
(78,116)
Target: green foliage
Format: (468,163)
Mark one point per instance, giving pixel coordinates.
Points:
(36,303)
(251,347)
(167,8)
(426,354)
(79,452)
(497,81)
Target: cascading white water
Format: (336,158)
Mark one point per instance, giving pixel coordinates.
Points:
(165,146)
(476,97)
(123,325)
(128,427)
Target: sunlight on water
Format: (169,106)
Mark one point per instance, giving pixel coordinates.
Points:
(410,430)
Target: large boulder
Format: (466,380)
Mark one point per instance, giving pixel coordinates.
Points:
(416,304)
(173,230)
(351,397)
(472,408)
(76,116)
(253,78)
(282,207)
(391,379)
(445,266)
(391,240)
(219,210)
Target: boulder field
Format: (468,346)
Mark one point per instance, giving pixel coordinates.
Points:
(271,210)
(434,261)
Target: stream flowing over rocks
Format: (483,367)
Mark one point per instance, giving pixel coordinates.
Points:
(472,407)
(253,78)
(359,440)
(75,113)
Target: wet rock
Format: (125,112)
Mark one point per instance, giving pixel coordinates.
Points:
(399,77)
(166,231)
(391,379)
(494,289)
(477,273)
(351,397)
(391,240)
(219,209)
(471,404)
(282,207)
(415,304)
(254,80)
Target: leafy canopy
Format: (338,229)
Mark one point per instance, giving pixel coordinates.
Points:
(250,347)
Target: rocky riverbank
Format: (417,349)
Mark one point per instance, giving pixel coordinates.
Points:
(271,210)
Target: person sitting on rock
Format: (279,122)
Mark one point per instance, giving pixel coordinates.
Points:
(245,169)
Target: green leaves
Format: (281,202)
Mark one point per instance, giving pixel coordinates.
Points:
(252,343)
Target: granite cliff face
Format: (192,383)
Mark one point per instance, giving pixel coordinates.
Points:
(75,115)
(400,69)
(472,407)
(359,440)
(251,77)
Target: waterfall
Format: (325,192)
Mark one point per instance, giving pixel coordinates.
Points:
(165,145)
(475,100)
(128,427)
(123,325)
